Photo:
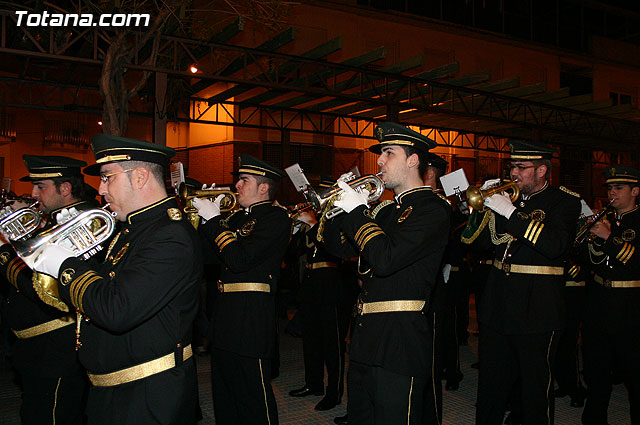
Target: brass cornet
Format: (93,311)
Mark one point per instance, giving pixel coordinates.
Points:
(187,194)
(19,224)
(584,232)
(476,197)
(324,202)
(83,233)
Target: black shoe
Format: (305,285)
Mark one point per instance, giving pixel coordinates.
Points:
(327,403)
(305,391)
(341,420)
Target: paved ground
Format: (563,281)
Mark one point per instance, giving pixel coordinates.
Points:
(458,405)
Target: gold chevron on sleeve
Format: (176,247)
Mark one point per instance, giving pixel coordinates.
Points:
(80,285)
(574,270)
(368,238)
(531,224)
(626,252)
(363,228)
(15,267)
(374,228)
(224,239)
(536,234)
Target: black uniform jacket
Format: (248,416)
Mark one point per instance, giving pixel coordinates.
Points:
(543,226)
(616,259)
(141,300)
(401,245)
(51,354)
(251,245)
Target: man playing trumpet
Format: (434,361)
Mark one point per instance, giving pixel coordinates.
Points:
(612,318)
(400,244)
(53,382)
(522,307)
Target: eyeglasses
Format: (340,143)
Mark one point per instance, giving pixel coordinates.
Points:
(521,167)
(106,178)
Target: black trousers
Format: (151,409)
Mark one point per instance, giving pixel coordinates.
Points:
(59,400)
(433,392)
(323,344)
(242,392)
(380,397)
(609,351)
(504,358)
(567,367)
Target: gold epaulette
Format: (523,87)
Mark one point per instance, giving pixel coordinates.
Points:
(570,192)
(380,206)
(444,198)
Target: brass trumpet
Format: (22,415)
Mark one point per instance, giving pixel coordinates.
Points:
(186,195)
(584,232)
(324,203)
(296,210)
(476,196)
(83,233)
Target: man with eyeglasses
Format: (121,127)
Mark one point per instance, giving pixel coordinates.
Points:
(611,327)
(53,381)
(522,307)
(135,308)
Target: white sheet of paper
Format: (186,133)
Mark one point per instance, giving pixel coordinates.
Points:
(454,182)
(296,174)
(177,174)
(586,211)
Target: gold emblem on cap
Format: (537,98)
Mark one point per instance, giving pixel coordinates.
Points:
(247,227)
(4,258)
(67,276)
(379,133)
(174,214)
(120,254)
(538,215)
(406,213)
(628,235)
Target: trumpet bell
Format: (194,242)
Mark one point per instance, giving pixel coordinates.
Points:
(83,233)
(19,224)
(476,196)
(372,183)
(186,196)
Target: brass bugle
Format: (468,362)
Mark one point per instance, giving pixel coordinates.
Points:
(371,182)
(20,224)
(476,196)
(187,194)
(83,233)
(585,231)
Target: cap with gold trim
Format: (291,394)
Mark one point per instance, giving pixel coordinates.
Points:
(391,133)
(248,164)
(620,174)
(437,162)
(108,148)
(526,151)
(49,167)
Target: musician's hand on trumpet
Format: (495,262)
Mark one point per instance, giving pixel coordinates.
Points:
(602,229)
(501,204)
(51,258)
(350,198)
(207,209)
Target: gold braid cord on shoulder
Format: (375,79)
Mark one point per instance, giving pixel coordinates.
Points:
(47,289)
(497,239)
(380,206)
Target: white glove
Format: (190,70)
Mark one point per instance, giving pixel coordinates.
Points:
(500,203)
(205,187)
(50,259)
(207,209)
(65,215)
(446,271)
(351,199)
(489,183)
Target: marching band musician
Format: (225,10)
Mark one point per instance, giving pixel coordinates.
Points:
(400,244)
(611,329)
(522,307)
(135,308)
(250,245)
(324,324)
(53,381)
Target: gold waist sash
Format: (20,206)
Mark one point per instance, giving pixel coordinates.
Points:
(244,287)
(44,327)
(616,283)
(390,306)
(524,269)
(321,265)
(140,371)
(574,283)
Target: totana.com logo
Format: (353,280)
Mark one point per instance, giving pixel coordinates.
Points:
(46,19)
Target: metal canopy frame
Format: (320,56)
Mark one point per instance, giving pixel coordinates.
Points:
(272,90)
